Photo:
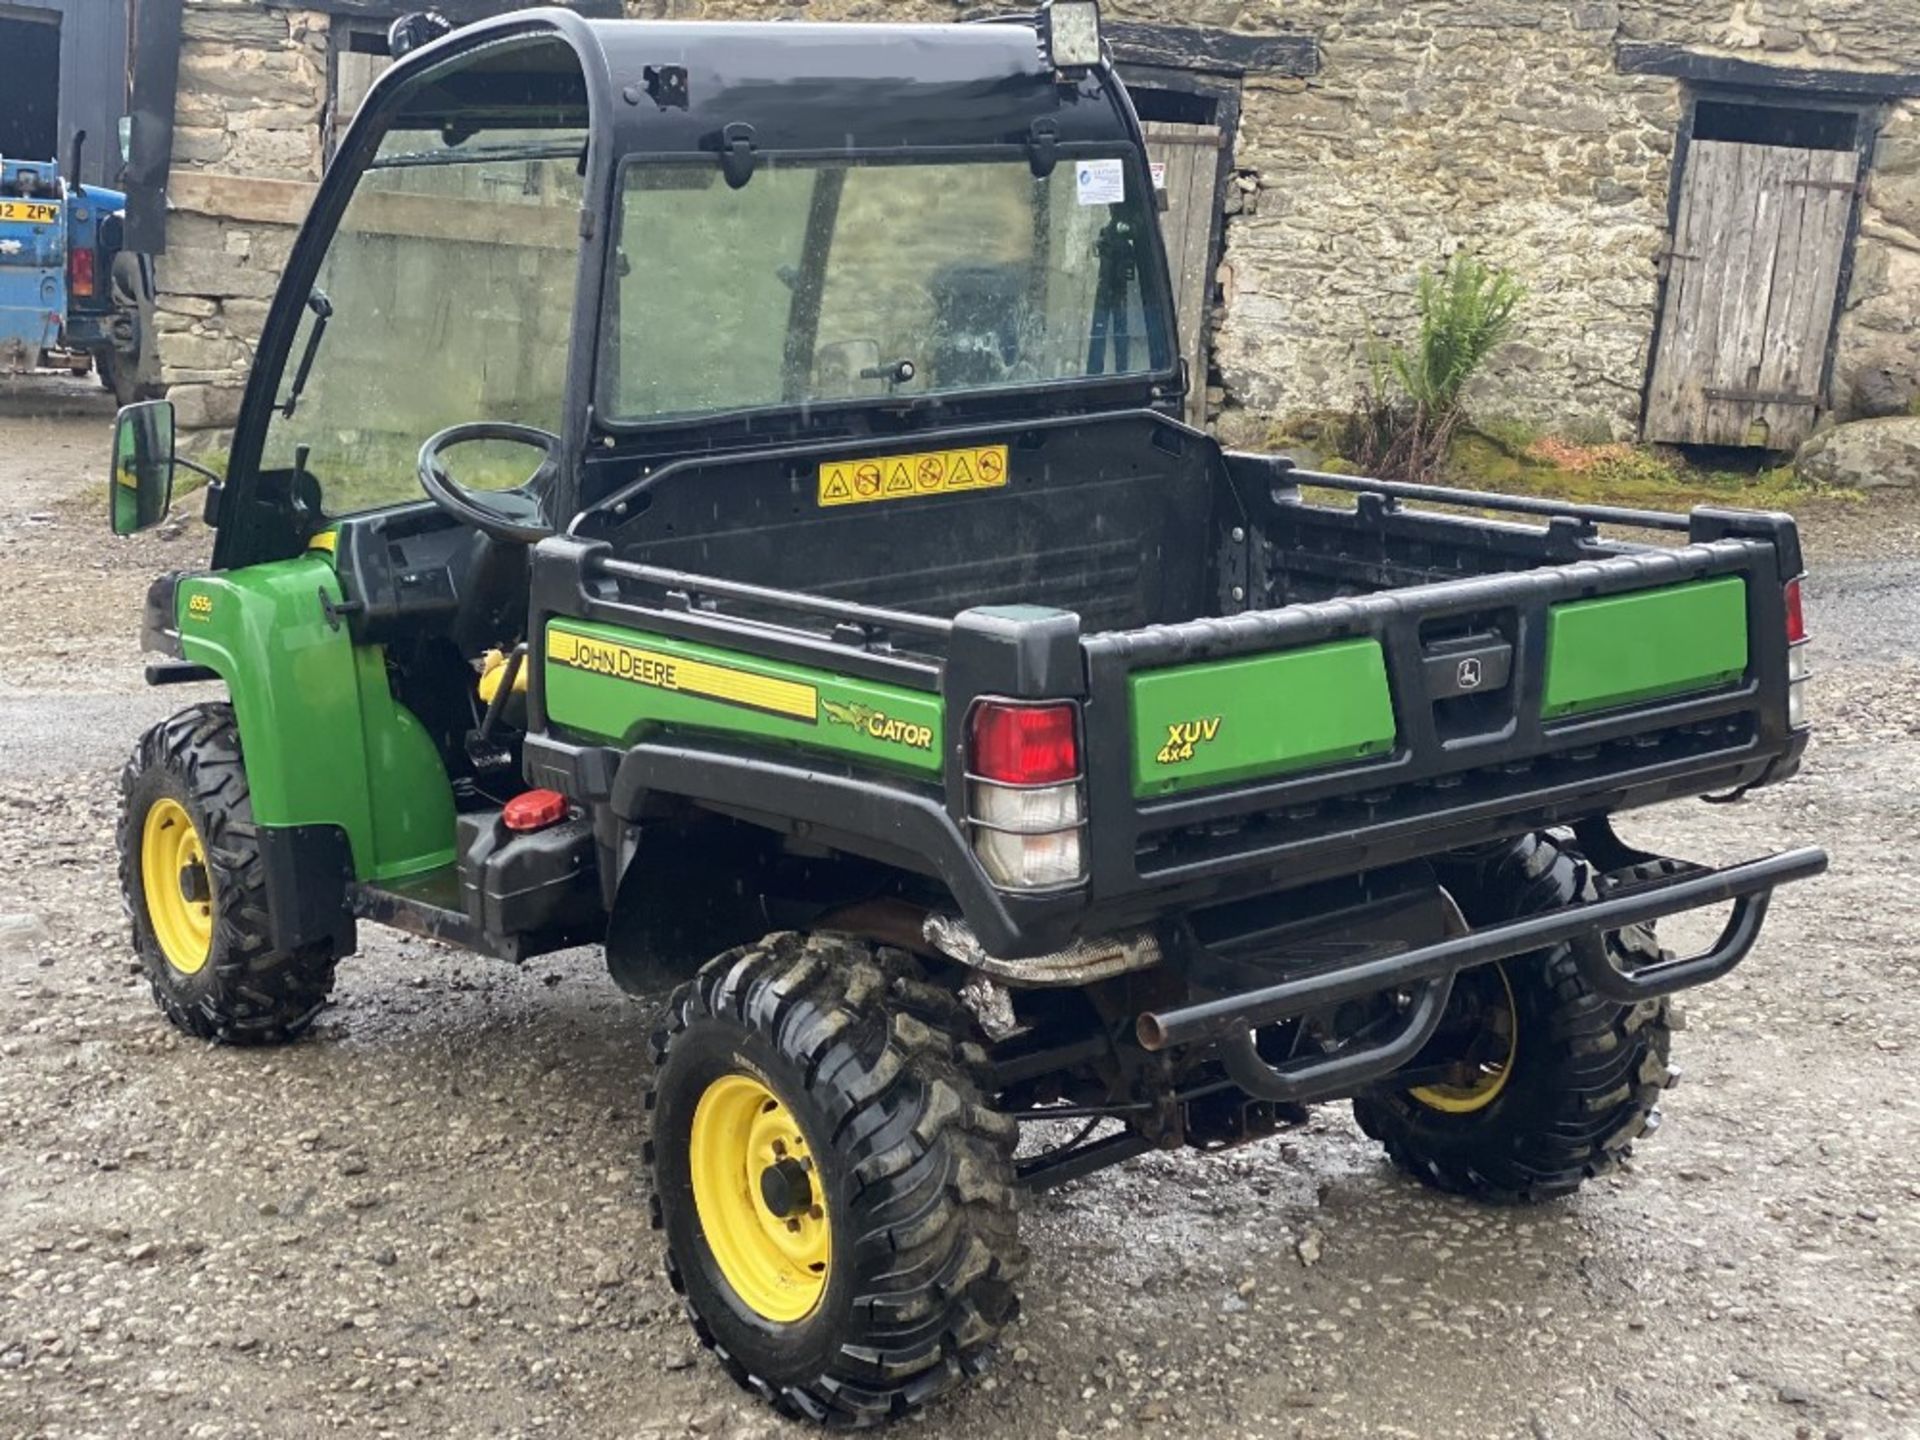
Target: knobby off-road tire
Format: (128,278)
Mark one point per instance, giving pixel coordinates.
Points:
(879,1072)
(238,989)
(1585,1073)
(120,374)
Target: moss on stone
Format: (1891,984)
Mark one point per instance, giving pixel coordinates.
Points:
(1642,476)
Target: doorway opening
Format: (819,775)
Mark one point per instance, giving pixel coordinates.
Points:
(30,81)
(1189,122)
(1764,212)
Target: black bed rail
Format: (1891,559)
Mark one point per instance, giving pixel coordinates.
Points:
(873,619)
(1484,500)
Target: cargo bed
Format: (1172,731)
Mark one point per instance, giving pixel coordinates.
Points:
(1304,688)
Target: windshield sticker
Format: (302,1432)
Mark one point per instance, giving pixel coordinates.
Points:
(1101,182)
(902,477)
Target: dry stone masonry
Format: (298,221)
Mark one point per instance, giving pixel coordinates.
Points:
(1506,126)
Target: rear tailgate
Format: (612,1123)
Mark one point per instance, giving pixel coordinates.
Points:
(33,274)
(1318,739)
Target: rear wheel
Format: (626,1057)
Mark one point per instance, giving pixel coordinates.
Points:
(120,374)
(836,1193)
(194,887)
(1536,1083)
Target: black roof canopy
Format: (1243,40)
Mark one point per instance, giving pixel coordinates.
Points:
(669,87)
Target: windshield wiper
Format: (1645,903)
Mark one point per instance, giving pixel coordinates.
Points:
(322,309)
(896,373)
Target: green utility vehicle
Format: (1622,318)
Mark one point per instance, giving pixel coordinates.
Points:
(815,601)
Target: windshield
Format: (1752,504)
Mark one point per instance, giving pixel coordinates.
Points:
(860,279)
(447,296)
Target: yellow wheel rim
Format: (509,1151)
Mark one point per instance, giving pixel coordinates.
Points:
(178,886)
(760,1199)
(1495,1047)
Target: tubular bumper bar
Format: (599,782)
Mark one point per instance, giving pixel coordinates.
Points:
(1427,974)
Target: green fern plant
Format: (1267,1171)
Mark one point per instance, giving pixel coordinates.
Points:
(1466,310)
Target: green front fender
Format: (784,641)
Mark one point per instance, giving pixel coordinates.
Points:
(324,740)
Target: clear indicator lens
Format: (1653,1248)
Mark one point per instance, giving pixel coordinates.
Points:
(1029,862)
(1054,807)
(1797,704)
(1797,663)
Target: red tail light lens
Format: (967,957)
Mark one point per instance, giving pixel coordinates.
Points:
(1796,617)
(1025,744)
(80,272)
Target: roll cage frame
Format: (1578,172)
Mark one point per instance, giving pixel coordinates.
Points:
(976,91)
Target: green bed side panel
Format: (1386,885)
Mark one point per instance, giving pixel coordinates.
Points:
(325,741)
(1622,649)
(620,684)
(1227,720)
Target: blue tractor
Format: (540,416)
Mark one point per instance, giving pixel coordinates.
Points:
(68,285)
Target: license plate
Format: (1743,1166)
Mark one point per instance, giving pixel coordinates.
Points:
(33,212)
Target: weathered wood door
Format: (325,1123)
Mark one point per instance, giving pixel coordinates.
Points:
(1188,157)
(1754,279)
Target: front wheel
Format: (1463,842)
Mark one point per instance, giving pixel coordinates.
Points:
(194,886)
(1533,1084)
(836,1193)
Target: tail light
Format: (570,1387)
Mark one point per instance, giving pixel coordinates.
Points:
(80,271)
(1796,654)
(1026,809)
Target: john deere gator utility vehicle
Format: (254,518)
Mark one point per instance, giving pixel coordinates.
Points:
(715,492)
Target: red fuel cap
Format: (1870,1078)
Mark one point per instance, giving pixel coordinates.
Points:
(535,810)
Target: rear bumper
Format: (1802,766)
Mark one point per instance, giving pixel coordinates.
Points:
(900,823)
(1425,974)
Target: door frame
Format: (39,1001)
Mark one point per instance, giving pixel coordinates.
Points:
(1868,116)
(47,18)
(1221,95)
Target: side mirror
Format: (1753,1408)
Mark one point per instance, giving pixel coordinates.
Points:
(142,485)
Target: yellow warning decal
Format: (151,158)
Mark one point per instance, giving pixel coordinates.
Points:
(689,677)
(901,477)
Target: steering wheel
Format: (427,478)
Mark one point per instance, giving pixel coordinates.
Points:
(512,515)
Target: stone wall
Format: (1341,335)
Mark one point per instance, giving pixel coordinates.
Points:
(1499,125)
(247,147)
(1506,128)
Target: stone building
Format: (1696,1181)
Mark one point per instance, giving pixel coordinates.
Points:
(1715,204)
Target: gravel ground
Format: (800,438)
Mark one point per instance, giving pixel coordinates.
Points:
(430,1218)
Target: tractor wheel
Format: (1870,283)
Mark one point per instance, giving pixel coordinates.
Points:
(120,374)
(193,883)
(836,1192)
(1549,1083)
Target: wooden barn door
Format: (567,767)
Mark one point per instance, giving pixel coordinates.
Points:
(1758,244)
(1188,156)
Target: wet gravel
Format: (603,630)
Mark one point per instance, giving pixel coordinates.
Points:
(430,1219)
